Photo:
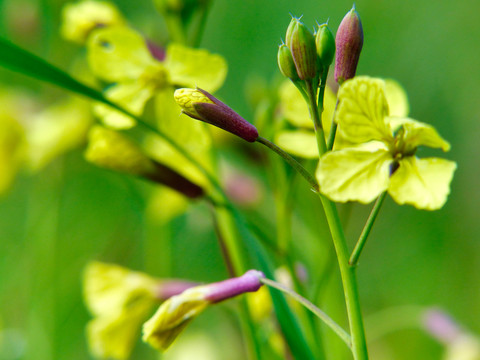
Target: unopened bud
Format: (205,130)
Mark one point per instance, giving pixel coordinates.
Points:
(201,105)
(325,45)
(111,150)
(349,41)
(286,64)
(302,45)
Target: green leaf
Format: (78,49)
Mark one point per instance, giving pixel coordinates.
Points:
(288,323)
(15,58)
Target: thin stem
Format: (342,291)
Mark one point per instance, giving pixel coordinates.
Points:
(291,161)
(175,28)
(200,26)
(349,281)
(318,312)
(321,92)
(362,240)
(333,129)
(312,105)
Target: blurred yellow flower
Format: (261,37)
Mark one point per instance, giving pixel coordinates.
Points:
(79,19)
(381,156)
(120,56)
(464,347)
(120,300)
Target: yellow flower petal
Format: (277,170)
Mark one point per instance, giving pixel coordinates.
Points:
(108,288)
(121,299)
(293,106)
(172,317)
(119,54)
(188,67)
(359,173)
(301,143)
(417,133)
(79,19)
(362,110)
(424,183)
(113,336)
(397,98)
(132,96)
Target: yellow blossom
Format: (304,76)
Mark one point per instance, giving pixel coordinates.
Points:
(120,300)
(79,19)
(120,56)
(381,155)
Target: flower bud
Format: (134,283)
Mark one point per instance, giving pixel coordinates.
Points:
(302,45)
(109,149)
(349,41)
(286,64)
(201,105)
(325,45)
(175,313)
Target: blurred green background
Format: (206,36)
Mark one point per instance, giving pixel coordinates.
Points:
(54,222)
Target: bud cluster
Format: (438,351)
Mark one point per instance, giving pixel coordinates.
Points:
(305,56)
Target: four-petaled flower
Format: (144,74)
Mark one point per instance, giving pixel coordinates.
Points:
(381,153)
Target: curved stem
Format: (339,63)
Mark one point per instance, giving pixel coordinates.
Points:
(318,312)
(291,161)
(362,240)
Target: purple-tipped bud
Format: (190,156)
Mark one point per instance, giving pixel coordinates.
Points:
(349,41)
(201,105)
(302,46)
(248,282)
(172,287)
(325,45)
(286,64)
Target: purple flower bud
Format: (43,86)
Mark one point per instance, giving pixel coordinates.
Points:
(201,105)
(169,288)
(248,282)
(349,41)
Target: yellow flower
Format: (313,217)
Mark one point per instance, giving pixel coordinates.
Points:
(80,19)
(177,312)
(120,56)
(120,300)
(381,155)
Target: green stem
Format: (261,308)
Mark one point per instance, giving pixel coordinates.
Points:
(291,161)
(349,281)
(318,312)
(175,28)
(321,92)
(348,275)
(362,240)
(200,26)
(333,129)
(312,105)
